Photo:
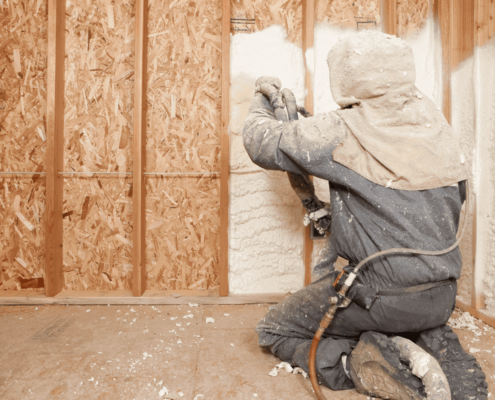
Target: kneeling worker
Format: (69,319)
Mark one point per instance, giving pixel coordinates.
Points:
(397,180)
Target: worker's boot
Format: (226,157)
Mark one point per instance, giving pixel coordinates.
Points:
(466,380)
(376,370)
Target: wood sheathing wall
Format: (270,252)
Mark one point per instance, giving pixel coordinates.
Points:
(349,13)
(411,16)
(98,137)
(183,136)
(23,54)
(287,13)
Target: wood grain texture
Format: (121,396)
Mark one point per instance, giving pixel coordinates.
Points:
(98,137)
(23,62)
(443,20)
(139,149)
(308,38)
(484,21)
(184,135)
(412,16)
(389,16)
(353,14)
(224,152)
(55,87)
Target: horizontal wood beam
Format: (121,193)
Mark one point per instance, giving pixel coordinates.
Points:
(125,297)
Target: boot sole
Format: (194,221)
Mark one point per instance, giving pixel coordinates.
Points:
(376,370)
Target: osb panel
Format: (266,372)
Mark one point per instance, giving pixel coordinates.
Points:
(22,240)
(23,43)
(183,240)
(98,137)
(247,16)
(97,233)
(353,14)
(411,16)
(183,136)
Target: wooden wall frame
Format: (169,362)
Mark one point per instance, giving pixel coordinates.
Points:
(462,26)
(308,38)
(225,152)
(139,150)
(54,234)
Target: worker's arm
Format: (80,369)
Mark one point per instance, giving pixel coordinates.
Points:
(303,146)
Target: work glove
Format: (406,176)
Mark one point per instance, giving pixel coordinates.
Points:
(270,87)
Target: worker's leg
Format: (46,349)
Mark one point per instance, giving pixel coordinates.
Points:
(288,329)
(289,326)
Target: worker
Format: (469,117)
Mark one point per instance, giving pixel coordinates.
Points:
(397,178)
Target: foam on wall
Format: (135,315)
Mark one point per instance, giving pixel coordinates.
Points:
(484,108)
(265,221)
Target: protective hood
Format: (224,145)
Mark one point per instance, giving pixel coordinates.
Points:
(398,137)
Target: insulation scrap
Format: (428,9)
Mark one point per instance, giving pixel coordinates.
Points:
(184,71)
(354,14)
(23,56)
(210,320)
(255,15)
(465,321)
(98,137)
(283,365)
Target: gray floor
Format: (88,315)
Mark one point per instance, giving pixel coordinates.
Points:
(133,352)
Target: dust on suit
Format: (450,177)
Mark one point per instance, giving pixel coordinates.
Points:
(366,218)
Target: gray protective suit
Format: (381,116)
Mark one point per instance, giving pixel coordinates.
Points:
(366,218)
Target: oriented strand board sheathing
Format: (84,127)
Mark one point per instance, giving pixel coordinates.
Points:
(98,137)
(412,15)
(353,14)
(184,67)
(287,13)
(183,238)
(22,204)
(97,233)
(23,53)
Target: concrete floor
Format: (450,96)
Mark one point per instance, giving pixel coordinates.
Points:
(133,352)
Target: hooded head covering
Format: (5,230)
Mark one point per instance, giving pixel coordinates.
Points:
(398,137)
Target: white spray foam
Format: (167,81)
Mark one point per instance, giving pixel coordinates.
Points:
(265,221)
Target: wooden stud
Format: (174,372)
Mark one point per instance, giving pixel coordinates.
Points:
(139,151)
(54,278)
(224,152)
(308,36)
(389,16)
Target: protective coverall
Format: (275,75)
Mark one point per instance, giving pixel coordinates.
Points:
(367,217)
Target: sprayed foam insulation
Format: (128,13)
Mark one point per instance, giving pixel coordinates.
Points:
(248,16)
(486,186)
(473,100)
(184,81)
(265,216)
(23,54)
(98,137)
(463,124)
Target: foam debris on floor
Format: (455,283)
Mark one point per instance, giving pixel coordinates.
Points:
(152,352)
